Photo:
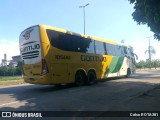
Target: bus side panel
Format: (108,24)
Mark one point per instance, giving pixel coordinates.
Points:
(105,66)
(76,63)
(59,73)
(100,67)
(125,66)
(115,66)
(58,66)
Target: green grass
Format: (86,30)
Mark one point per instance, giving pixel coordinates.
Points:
(11,80)
(3,78)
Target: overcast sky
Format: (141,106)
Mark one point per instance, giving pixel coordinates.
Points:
(104,18)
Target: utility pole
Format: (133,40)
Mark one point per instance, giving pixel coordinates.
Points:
(84,14)
(149,52)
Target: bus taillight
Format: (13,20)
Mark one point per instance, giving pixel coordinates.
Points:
(44,67)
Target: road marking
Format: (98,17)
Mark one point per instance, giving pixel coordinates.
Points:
(15,102)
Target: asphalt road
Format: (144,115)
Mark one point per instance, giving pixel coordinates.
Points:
(139,92)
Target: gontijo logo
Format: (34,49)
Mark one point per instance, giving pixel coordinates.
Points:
(27,34)
(30,48)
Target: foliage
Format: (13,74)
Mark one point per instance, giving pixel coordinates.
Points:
(140,64)
(152,50)
(146,64)
(11,71)
(148,12)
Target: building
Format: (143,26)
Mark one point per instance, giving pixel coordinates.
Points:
(16,58)
(4,61)
(11,63)
(14,61)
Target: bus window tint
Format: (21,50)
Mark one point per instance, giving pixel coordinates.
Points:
(99,47)
(91,49)
(84,45)
(53,38)
(70,42)
(110,49)
(73,43)
(125,51)
(122,51)
(118,51)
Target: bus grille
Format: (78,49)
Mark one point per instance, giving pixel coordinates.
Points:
(30,55)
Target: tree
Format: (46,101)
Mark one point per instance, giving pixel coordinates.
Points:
(141,64)
(148,12)
(156,63)
(146,64)
(151,51)
(11,71)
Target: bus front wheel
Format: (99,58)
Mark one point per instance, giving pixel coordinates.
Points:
(128,73)
(80,78)
(91,78)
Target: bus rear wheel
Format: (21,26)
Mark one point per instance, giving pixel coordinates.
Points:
(91,78)
(80,78)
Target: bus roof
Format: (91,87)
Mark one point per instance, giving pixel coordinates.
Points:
(73,33)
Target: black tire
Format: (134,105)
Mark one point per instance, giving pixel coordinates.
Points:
(128,73)
(91,78)
(80,78)
(58,85)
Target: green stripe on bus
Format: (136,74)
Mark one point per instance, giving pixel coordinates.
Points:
(115,64)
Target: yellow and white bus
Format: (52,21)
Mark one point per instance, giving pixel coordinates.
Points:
(52,55)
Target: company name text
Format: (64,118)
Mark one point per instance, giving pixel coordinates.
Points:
(30,48)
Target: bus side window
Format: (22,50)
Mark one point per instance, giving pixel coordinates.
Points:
(110,49)
(125,51)
(118,50)
(76,44)
(90,46)
(122,51)
(54,38)
(84,45)
(99,47)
